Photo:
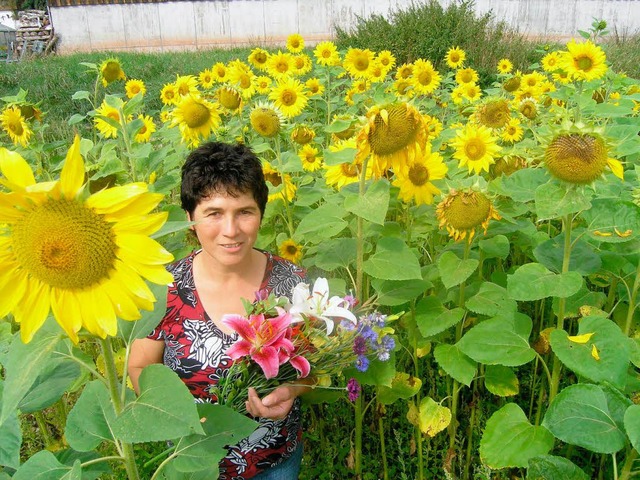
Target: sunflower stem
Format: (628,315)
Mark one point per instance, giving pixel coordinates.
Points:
(418,374)
(287,205)
(359,414)
(383,450)
(113,384)
(632,302)
(557,365)
(625,473)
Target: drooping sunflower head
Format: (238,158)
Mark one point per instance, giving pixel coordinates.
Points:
(197,118)
(464,212)
(505,66)
(494,113)
(584,61)
(16,126)
(258,58)
(266,119)
(229,97)
(82,257)
(455,57)
(302,134)
(295,43)
(512,84)
(579,155)
(134,87)
(528,108)
(110,71)
(391,132)
(283,186)
(507,165)
(345,127)
(290,250)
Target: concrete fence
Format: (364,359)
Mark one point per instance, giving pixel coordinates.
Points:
(189,25)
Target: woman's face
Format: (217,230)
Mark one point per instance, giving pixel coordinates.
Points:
(227,227)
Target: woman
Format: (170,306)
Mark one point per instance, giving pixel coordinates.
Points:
(224,192)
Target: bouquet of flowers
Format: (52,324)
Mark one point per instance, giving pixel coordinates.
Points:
(316,335)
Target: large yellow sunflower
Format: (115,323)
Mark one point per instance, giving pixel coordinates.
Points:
(584,61)
(134,87)
(358,62)
(455,57)
(311,161)
(505,66)
(466,75)
(289,97)
(258,58)
(415,179)
(390,135)
(205,79)
(148,127)
(386,59)
(493,113)
(15,125)
(475,147)
(83,258)
(220,74)
(295,43)
(551,61)
(284,188)
(314,86)
(290,250)
(462,212)
(326,54)
(110,71)
(196,118)
(301,64)
(105,127)
(279,65)
(169,94)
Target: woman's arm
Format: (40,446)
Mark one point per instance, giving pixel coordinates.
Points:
(144,351)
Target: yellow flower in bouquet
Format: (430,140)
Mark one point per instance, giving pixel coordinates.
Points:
(82,257)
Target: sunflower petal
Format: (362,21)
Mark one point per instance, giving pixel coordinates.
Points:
(145,225)
(121,300)
(72,175)
(141,205)
(125,275)
(16,170)
(115,198)
(66,311)
(89,314)
(32,312)
(616,167)
(12,290)
(141,249)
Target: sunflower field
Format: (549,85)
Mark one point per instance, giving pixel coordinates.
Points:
(498,227)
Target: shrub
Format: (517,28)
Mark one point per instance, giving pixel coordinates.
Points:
(427,30)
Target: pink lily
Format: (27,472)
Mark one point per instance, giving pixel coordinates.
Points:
(263,339)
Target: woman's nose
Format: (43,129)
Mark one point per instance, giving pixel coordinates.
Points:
(230,226)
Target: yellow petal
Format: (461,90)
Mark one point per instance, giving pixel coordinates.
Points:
(115,198)
(16,170)
(72,175)
(154,273)
(141,205)
(594,352)
(584,338)
(616,168)
(143,225)
(141,249)
(384,115)
(125,275)
(121,299)
(32,312)
(12,289)
(89,319)
(104,312)
(66,311)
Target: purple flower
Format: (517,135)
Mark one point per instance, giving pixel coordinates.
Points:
(262,294)
(383,355)
(388,343)
(369,334)
(347,325)
(377,319)
(353,389)
(362,363)
(359,345)
(351,300)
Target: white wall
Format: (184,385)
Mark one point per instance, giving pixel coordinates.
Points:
(216,23)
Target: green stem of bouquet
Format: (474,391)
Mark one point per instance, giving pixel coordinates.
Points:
(285,200)
(455,391)
(417,433)
(633,296)
(359,414)
(557,365)
(383,450)
(113,385)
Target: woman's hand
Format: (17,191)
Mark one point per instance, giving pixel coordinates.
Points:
(278,403)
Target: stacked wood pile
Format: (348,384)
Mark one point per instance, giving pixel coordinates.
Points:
(35,34)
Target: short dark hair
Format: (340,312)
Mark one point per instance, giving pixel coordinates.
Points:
(217,167)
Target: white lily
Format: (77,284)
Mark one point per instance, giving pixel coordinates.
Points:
(318,305)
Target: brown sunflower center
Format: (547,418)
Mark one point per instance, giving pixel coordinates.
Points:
(494,114)
(467,210)
(584,63)
(400,130)
(288,97)
(265,121)
(114,115)
(229,98)
(349,170)
(529,110)
(111,71)
(65,244)
(576,158)
(260,57)
(419,175)
(425,78)
(282,66)
(512,84)
(292,249)
(16,127)
(273,178)
(475,149)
